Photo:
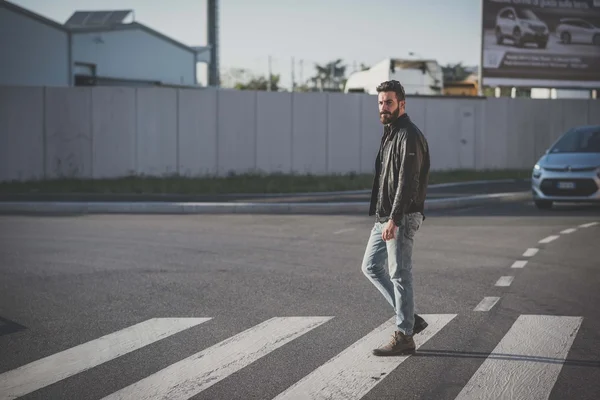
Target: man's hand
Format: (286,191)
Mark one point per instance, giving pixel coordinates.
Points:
(389,232)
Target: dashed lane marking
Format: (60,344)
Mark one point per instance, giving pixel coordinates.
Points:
(505,281)
(530,252)
(487,303)
(519,264)
(549,239)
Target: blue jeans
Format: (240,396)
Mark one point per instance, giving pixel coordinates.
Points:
(396,286)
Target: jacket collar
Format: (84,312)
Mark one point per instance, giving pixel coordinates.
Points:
(400,122)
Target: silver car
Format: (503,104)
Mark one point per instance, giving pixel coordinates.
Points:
(577,30)
(569,171)
(521,26)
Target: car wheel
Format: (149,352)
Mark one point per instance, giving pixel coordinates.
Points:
(499,37)
(565,37)
(542,44)
(543,204)
(517,37)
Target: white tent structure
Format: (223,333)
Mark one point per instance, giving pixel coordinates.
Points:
(419,77)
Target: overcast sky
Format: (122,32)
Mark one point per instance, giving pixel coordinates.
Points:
(314,31)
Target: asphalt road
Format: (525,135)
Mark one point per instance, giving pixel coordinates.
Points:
(220,287)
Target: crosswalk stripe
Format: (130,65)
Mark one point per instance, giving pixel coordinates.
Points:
(588,225)
(354,372)
(568,231)
(196,373)
(46,371)
(526,362)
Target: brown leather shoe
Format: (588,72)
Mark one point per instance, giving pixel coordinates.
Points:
(399,345)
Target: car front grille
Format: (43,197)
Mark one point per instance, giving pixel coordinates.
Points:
(583,187)
(570,169)
(538,29)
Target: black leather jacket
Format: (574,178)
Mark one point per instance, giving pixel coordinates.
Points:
(401,172)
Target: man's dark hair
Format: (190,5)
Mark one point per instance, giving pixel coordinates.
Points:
(392,86)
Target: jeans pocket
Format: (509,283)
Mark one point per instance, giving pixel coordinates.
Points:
(412,224)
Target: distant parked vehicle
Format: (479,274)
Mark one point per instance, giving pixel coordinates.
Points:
(569,171)
(577,30)
(521,26)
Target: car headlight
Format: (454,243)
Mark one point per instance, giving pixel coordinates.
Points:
(537,171)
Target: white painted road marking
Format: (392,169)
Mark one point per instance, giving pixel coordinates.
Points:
(519,264)
(196,373)
(354,372)
(530,252)
(526,362)
(344,230)
(549,239)
(588,225)
(487,303)
(46,371)
(567,231)
(505,281)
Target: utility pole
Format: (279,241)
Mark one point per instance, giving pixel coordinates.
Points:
(301,75)
(293,77)
(332,73)
(213,41)
(269,80)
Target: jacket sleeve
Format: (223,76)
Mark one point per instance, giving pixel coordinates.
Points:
(410,156)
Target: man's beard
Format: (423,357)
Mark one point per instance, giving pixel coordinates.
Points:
(388,118)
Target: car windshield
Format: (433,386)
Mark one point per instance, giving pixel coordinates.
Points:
(581,140)
(527,14)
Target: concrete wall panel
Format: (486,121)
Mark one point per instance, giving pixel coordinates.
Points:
(68,115)
(156,143)
(371,133)
(546,121)
(468,124)
(492,139)
(574,112)
(442,124)
(21,133)
(593,112)
(236,131)
(416,108)
(113,132)
(309,135)
(274,132)
(521,136)
(197,114)
(344,133)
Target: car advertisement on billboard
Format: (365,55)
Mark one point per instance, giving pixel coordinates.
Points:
(541,43)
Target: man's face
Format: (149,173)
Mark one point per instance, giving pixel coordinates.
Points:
(389,107)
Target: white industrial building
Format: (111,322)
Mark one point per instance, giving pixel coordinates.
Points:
(34,50)
(91,48)
(419,77)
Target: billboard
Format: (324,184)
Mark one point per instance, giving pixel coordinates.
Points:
(541,43)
